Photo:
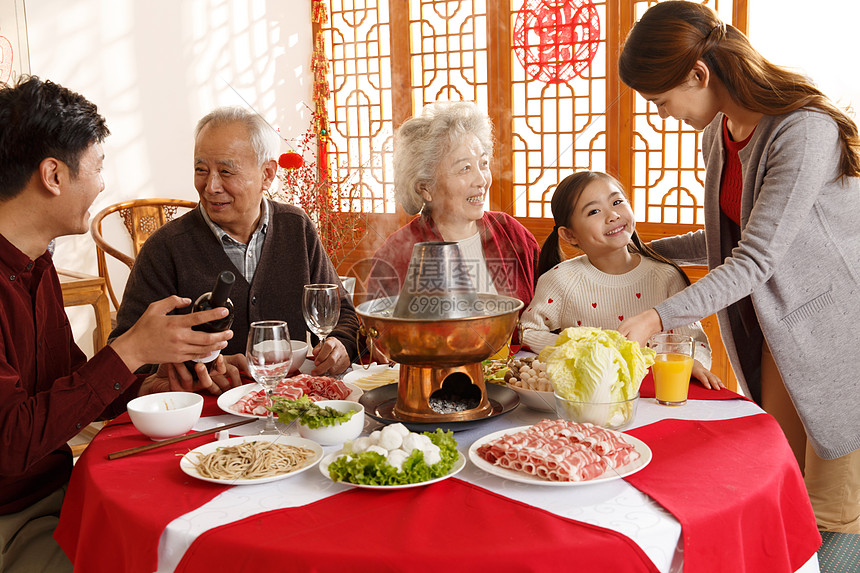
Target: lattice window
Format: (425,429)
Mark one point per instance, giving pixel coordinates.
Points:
(667,175)
(388,59)
(360,114)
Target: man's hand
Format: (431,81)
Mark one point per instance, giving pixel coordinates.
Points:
(330,357)
(158,337)
(224,375)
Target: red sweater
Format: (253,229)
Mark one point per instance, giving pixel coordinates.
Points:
(48,390)
(510,249)
(732,182)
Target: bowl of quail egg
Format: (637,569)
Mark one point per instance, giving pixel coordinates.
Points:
(528,378)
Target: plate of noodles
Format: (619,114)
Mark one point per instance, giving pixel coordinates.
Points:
(247,460)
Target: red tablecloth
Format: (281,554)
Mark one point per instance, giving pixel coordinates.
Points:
(735,487)
(94,530)
(732,484)
(449,526)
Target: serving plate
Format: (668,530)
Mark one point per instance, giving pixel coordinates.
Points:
(326,461)
(379,405)
(609,475)
(230,397)
(357,375)
(188,462)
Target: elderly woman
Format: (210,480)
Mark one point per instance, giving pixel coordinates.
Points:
(442,173)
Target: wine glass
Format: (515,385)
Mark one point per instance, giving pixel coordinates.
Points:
(321,308)
(269,356)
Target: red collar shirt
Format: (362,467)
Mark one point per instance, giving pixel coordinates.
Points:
(48,389)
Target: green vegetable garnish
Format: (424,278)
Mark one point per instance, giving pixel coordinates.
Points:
(308,412)
(495,370)
(371,468)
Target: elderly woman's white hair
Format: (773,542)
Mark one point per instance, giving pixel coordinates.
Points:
(424,140)
(264,140)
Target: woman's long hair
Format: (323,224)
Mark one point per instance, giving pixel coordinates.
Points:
(564,199)
(665,44)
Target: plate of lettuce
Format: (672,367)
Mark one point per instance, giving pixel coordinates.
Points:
(369,463)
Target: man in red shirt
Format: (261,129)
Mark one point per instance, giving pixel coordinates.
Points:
(50,172)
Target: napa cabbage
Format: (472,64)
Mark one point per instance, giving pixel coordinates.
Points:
(596,366)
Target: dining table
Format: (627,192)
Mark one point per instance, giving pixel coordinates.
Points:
(721,492)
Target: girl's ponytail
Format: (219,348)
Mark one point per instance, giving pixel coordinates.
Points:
(550,253)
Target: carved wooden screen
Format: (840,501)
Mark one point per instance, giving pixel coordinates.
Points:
(388,58)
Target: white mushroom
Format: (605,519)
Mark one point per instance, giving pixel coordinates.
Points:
(432,454)
(361,444)
(374,436)
(409,443)
(401,429)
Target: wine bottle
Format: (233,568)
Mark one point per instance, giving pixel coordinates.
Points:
(217,297)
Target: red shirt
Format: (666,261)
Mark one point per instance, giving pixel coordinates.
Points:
(510,249)
(48,390)
(732,183)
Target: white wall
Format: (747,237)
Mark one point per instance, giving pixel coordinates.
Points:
(154,67)
(817,38)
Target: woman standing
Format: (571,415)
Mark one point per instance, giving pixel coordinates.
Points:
(442,173)
(781,236)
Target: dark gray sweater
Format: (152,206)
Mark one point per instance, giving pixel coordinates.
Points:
(184,258)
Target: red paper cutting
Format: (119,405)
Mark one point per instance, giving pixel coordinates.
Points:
(556,41)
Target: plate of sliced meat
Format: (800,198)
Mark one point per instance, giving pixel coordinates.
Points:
(249,401)
(560,453)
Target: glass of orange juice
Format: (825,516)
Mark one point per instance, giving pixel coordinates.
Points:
(672,367)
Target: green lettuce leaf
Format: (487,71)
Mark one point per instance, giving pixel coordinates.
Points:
(371,468)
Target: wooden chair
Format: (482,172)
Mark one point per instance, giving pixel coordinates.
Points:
(141,218)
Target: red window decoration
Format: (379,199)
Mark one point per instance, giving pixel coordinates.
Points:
(555,41)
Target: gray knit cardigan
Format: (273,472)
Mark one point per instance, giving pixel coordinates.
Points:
(184,258)
(798,259)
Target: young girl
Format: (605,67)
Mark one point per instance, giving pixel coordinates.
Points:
(618,276)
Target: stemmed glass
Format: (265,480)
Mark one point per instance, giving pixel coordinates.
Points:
(269,354)
(321,308)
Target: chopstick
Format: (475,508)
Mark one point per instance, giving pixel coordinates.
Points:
(152,446)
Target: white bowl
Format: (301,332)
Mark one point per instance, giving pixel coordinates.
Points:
(166,414)
(334,435)
(535,399)
(300,352)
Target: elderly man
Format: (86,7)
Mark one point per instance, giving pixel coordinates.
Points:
(50,172)
(272,248)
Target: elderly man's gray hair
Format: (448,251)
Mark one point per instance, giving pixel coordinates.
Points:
(265,141)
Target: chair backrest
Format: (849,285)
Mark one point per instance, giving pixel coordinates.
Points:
(141,218)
